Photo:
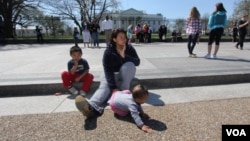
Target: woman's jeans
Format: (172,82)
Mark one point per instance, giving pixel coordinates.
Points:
(126,74)
(95,36)
(192,39)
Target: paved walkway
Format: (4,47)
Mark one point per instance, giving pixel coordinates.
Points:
(178,113)
(38,64)
(166,65)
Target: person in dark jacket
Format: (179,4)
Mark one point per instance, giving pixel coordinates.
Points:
(39,34)
(243,23)
(119,62)
(76,36)
(234,33)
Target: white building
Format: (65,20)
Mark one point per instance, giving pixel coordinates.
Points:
(122,19)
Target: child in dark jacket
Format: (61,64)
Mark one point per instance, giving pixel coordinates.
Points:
(78,71)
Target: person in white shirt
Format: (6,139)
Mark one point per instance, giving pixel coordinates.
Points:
(107,27)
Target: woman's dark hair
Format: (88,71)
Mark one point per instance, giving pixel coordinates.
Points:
(139,91)
(114,34)
(219,7)
(75,49)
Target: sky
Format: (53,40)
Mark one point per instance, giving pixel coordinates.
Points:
(174,9)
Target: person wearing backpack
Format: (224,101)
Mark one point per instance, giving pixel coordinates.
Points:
(137,32)
(130,33)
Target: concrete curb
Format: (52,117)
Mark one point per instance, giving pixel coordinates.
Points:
(157,83)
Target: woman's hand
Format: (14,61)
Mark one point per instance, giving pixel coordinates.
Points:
(75,62)
(121,51)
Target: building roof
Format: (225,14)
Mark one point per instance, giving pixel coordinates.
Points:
(131,12)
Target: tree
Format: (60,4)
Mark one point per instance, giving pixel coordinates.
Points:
(76,10)
(16,12)
(53,23)
(241,7)
(179,25)
(204,20)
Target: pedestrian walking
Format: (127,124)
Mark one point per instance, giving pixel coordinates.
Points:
(243,23)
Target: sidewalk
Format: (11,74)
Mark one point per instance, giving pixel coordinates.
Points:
(35,69)
(186,102)
(178,114)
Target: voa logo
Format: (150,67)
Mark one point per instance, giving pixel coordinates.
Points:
(236,132)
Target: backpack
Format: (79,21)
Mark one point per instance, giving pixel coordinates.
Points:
(136,30)
(145,29)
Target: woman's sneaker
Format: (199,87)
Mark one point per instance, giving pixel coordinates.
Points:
(208,56)
(82,105)
(214,56)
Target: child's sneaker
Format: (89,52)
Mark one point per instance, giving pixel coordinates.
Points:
(73,91)
(83,93)
(82,105)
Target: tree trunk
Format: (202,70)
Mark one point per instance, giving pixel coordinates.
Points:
(7,8)
(8,28)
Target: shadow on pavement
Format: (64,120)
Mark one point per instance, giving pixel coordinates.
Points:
(90,123)
(156,125)
(154,99)
(152,123)
(232,60)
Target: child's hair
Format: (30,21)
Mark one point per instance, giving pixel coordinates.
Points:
(139,91)
(75,49)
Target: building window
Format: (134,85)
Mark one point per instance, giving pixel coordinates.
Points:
(159,22)
(153,22)
(114,21)
(122,21)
